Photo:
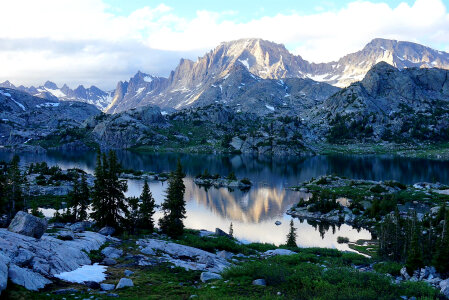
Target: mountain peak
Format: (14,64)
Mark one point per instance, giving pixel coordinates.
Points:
(50,85)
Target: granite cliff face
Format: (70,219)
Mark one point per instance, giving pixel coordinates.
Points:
(190,83)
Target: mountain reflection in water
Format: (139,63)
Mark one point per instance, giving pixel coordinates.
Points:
(254,212)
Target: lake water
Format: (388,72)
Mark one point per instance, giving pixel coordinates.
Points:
(254,212)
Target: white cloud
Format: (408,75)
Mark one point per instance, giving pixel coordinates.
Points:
(79,41)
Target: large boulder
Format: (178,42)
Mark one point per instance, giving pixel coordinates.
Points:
(444,286)
(27,278)
(124,282)
(28,225)
(80,226)
(111,252)
(219,232)
(107,231)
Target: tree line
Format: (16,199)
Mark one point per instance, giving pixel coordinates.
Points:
(106,199)
(416,242)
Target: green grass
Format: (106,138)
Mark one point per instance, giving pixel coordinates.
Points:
(49,201)
(438,151)
(312,273)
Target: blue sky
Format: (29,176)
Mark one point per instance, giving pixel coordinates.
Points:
(100,42)
(245,10)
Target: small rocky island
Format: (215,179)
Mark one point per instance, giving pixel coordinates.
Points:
(218,181)
(365,202)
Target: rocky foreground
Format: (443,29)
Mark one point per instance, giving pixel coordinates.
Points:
(69,259)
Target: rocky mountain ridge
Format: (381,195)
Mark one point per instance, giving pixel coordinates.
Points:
(191,81)
(50,91)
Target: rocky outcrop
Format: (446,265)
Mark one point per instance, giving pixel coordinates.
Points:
(28,225)
(33,262)
(28,279)
(184,256)
(4,263)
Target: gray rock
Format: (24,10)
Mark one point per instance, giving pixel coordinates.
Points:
(109,262)
(124,282)
(92,285)
(404,273)
(107,231)
(225,254)
(260,282)
(128,273)
(49,256)
(111,252)
(444,287)
(219,232)
(278,252)
(28,225)
(107,286)
(66,235)
(80,226)
(208,276)
(278,223)
(27,278)
(186,257)
(22,257)
(4,263)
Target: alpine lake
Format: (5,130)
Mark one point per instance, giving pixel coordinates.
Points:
(254,212)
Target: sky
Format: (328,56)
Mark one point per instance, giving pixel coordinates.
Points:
(99,42)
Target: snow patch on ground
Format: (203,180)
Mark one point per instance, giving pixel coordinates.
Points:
(245,62)
(269,107)
(139,90)
(57,93)
(93,272)
(48,104)
(19,104)
(5,94)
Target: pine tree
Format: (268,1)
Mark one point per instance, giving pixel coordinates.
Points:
(415,257)
(146,208)
(133,214)
(231,230)
(75,196)
(109,201)
(441,258)
(99,192)
(14,193)
(291,236)
(84,198)
(174,204)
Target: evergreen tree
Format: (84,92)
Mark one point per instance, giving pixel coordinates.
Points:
(441,258)
(108,201)
(133,214)
(415,256)
(231,230)
(99,193)
(14,193)
(146,208)
(75,196)
(291,236)
(174,204)
(84,200)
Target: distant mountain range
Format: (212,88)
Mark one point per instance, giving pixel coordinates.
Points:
(188,84)
(246,72)
(50,91)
